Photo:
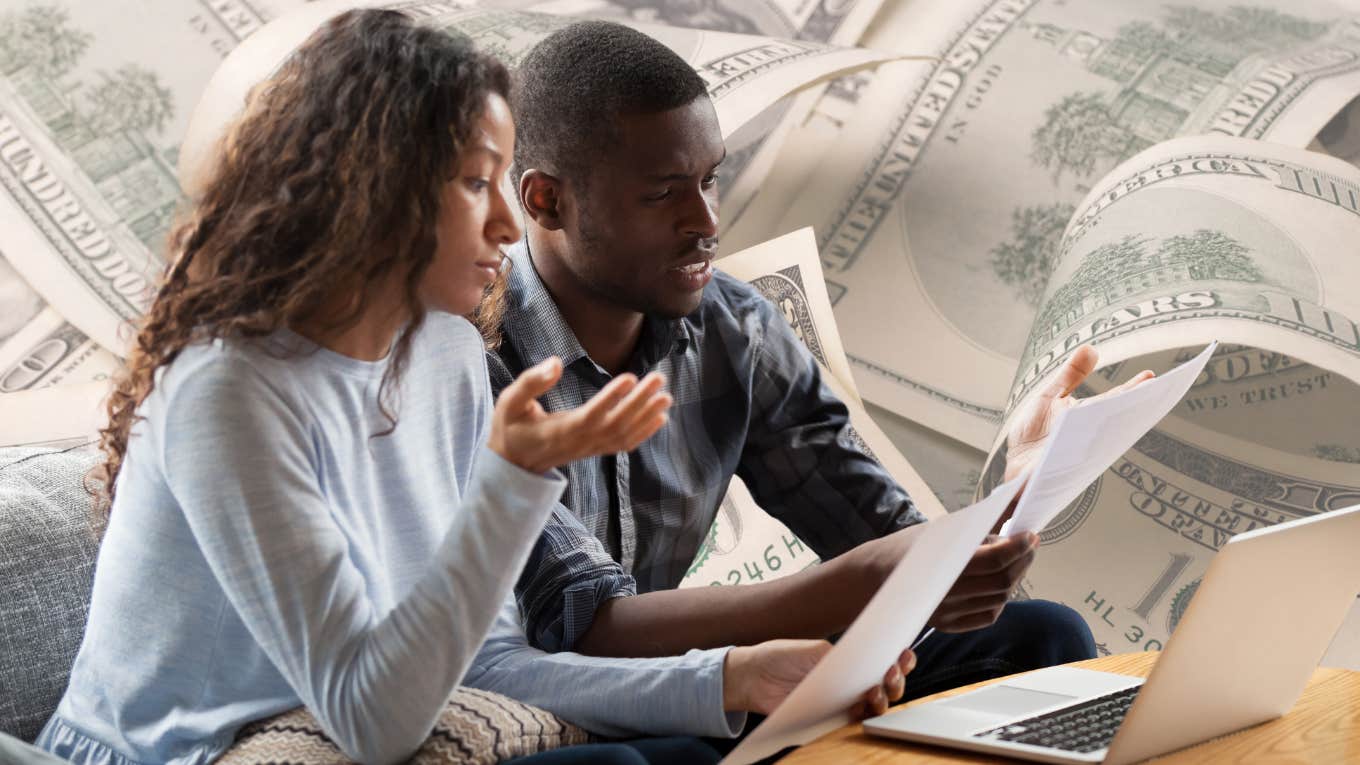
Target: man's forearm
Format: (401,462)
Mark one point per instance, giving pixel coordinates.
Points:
(814,603)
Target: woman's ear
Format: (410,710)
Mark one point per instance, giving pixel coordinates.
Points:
(540,194)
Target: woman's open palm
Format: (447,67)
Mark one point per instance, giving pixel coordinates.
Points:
(622,415)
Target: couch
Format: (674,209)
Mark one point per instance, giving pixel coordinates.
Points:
(48,543)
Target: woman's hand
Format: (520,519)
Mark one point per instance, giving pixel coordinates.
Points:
(875,701)
(758,678)
(622,415)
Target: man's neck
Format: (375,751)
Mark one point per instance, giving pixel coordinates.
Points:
(608,332)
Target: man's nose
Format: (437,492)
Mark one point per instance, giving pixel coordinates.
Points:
(701,215)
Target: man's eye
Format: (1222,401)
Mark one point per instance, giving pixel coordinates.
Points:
(710,180)
(658,196)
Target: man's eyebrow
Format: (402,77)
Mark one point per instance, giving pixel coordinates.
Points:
(684,176)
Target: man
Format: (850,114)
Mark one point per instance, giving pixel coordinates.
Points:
(617,155)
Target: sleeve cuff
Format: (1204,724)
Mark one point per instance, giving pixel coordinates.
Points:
(712,720)
(579,603)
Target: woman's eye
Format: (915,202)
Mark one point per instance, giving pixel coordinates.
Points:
(479,184)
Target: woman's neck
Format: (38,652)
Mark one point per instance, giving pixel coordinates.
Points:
(368,338)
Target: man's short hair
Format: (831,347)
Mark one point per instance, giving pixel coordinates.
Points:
(578,80)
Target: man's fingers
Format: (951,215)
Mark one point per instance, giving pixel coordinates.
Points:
(532,383)
(996,556)
(971,622)
(1080,364)
(993,583)
(971,618)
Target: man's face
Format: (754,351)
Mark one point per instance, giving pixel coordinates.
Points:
(645,227)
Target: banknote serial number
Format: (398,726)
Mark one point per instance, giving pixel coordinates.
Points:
(772,561)
(1096,606)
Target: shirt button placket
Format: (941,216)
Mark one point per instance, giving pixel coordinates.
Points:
(627,532)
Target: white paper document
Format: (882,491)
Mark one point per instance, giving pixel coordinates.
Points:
(1087,438)
(938,552)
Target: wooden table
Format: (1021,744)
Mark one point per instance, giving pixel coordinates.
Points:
(1324,727)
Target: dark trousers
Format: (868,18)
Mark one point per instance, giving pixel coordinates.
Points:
(1030,634)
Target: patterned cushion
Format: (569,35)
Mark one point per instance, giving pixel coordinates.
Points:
(47,550)
(476,727)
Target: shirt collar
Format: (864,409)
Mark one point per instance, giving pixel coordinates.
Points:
(535,324)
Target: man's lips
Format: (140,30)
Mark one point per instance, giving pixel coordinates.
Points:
(695,263)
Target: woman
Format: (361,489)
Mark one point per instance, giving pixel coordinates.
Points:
(302,511)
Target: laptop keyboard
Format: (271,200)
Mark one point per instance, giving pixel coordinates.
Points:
(1083,727)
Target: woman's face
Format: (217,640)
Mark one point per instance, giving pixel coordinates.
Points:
(475,219)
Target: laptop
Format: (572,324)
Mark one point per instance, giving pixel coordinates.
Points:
(1257,627)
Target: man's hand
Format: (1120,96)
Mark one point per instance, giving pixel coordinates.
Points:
(981,591)
(1030,432)
(758,678)
(622,415)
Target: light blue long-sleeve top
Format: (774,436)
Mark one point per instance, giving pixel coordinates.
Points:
(266,551)
(665,696)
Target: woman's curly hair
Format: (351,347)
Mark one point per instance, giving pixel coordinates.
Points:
(330,181)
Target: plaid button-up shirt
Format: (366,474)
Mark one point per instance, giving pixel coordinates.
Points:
(749,401)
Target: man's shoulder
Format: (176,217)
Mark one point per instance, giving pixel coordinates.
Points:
(731,298)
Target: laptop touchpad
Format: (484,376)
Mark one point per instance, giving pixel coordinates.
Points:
(1006,700)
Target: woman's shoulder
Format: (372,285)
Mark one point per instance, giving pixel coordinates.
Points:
(225,370)
(453,345)
(446,329)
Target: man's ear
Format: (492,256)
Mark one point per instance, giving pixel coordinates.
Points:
(541,196)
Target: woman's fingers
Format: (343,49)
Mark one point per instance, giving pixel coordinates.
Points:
(622,415)
(621,418)
(598,408)
(907,662)
(649,424)
(875,702)
(532,383)
(894,683)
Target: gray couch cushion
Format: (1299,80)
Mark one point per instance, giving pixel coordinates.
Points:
(47,551)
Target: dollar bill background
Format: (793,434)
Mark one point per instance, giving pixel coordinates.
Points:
(752,150)
(941,214)
(1264,436)
(941,192)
